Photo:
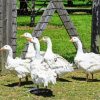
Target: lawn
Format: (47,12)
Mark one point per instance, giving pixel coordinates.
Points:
(71,86)
(58,34)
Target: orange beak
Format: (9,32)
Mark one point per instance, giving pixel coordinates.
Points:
(1,49)
(29,39)
(71,40)
(22,36)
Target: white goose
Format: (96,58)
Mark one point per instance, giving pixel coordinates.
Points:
(56,62)
(21,67)
(89,62)
(40,71)
(31,50)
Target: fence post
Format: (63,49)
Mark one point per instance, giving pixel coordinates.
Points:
(1,33)
(8,27)
(95,36)
(11,24)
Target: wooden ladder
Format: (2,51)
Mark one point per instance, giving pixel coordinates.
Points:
(64,16)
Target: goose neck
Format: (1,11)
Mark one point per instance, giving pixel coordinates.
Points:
(31,47)
(37,48)
(79,47)
(9,56)
(49,45)
(10,53)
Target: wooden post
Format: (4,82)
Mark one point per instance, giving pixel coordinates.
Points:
(13,27)
(8,15)
(1,33)
(95,36)
(44,20)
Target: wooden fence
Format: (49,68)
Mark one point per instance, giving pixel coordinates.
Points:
(8,26)
(95,41)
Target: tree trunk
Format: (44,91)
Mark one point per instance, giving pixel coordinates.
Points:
(23,7)
(32,23)
(95,39)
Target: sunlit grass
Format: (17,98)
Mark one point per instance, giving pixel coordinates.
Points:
(73,88)
(58,34)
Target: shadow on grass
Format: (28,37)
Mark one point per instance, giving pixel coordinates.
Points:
(41,92)
(16,84)
(79,78)
(63,80)
(94,80)
(84,79)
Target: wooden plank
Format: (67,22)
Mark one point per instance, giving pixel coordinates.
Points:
(4,39)
(1,31)
(14,2)
(1,22)
(11,24)
(1,35)
(44,20)
(63,14)
(9,21)
(95,36)
(8,26)
(14,10)
(4,22)
(14,26)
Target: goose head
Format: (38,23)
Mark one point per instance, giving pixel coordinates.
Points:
(45,39)
(33,40)
(27,35)
(74,39)
(78,43)
(6,48)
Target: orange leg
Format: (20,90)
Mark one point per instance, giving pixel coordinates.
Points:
(19,84)
(87,75)
(92,76)
(26,78)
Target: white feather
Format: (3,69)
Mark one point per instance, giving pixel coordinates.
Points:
(89,62)
(56,62)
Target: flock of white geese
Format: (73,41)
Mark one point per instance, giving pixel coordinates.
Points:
(45,67)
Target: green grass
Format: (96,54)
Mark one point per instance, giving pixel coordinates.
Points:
(58,34)
(74,87)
